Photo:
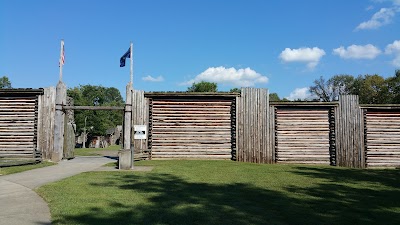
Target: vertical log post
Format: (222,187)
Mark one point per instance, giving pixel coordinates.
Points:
(252,130)
(127,130)
(349,133)
(61,98)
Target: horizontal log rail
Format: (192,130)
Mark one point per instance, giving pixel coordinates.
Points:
(94,107)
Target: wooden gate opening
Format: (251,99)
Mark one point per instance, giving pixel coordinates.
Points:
(69,131)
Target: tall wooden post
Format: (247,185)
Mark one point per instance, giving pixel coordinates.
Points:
(349,132)
(128,117)
(61,98)
(253,129)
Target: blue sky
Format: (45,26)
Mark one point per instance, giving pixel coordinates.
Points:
(282,45)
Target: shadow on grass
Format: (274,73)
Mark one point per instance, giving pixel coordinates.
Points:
(172,200)
(353,196)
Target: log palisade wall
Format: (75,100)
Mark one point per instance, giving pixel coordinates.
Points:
(349,132)
(46,113)
(244,127)
(382,136)
(18,123)
(302,135)
(17,127)
(253,126)
(248,128)
(140,115)
(191,125)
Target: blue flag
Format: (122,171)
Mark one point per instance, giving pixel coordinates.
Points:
(123,58)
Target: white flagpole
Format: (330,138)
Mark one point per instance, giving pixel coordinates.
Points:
(131,57)
(61,63)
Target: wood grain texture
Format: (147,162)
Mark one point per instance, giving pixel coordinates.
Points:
(139,117)
(382,130)
(302,134)
(45,128)
(195,127)
(253,126)
(18,126)
(349,133)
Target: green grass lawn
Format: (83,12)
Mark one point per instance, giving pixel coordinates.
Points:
(18,169)
(226,192)
(94,151)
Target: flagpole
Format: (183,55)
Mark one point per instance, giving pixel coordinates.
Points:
(131,57)
(61,55)
(131,101)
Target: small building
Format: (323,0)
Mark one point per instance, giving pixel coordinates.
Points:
(113,135)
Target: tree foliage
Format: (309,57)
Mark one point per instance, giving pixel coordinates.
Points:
(5,82)
(273,97)
(393,85)
(97,122)
(203,86)
(235,90)
(371,89)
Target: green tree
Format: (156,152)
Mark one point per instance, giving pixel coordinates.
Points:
(203,86)
(394,87)
(273,97)
(373,90)
(235,90)
(5,82)
(97,122)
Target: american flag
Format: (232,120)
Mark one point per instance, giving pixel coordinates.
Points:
(62,56)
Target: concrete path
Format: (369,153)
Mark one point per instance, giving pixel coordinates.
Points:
(20,205)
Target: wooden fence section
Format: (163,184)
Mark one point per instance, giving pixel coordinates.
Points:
(46,113)
(17,127)
(382,130)
(302,135)
(252,126)
(139,117)
(349,132)
(191,127)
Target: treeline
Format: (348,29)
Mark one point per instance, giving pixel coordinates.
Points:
(371,89)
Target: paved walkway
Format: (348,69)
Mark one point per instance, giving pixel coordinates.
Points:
(20,205)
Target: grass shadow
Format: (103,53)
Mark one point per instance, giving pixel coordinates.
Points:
(173,200)
(190,192)
(353,196)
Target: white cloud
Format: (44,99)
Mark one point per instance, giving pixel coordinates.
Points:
(153,79)
(383,17)
(357,52)
(300,93)
(240,78)
(394,49)
(311,56)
